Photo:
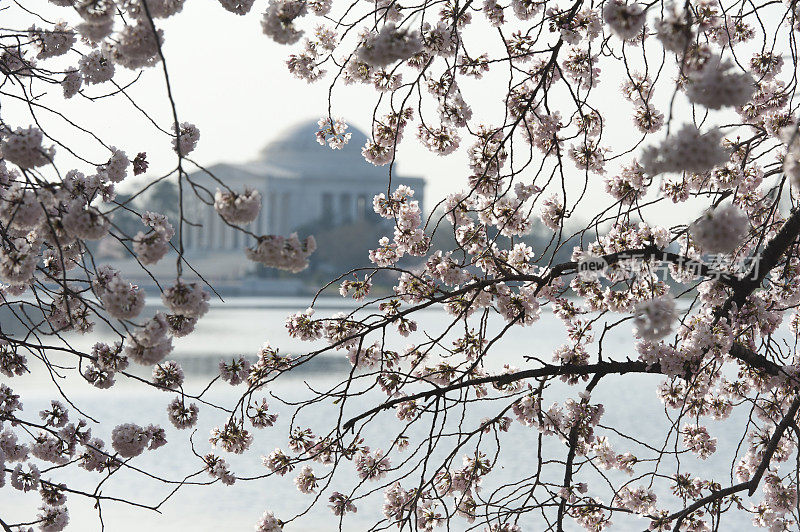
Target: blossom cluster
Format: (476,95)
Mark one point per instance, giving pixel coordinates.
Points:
(238,208)
(289,254)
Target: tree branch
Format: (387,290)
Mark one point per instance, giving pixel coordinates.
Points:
(754,481)
(599,369)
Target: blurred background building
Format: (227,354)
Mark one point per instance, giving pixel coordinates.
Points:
(301,183)
(305,188)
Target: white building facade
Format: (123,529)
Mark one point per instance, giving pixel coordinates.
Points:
(300,181)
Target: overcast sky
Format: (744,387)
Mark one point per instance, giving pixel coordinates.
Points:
(231,81)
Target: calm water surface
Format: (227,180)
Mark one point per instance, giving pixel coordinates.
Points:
(240,326)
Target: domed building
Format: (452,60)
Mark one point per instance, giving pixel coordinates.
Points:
(301,182)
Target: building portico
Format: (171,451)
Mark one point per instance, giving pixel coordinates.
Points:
(301,182)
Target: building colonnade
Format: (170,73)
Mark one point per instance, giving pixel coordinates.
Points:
(282,211)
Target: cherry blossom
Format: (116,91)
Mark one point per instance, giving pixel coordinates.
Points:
(238,208)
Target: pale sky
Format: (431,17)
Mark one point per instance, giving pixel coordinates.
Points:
(231,81)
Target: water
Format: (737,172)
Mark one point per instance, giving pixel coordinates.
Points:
(240,326)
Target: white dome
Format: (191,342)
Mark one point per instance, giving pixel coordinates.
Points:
(298,151)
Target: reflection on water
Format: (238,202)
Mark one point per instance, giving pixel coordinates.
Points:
(207,364)
(240,327)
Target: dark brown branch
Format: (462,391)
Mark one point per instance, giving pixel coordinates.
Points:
(599,369)
(770,257)
(752,484)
